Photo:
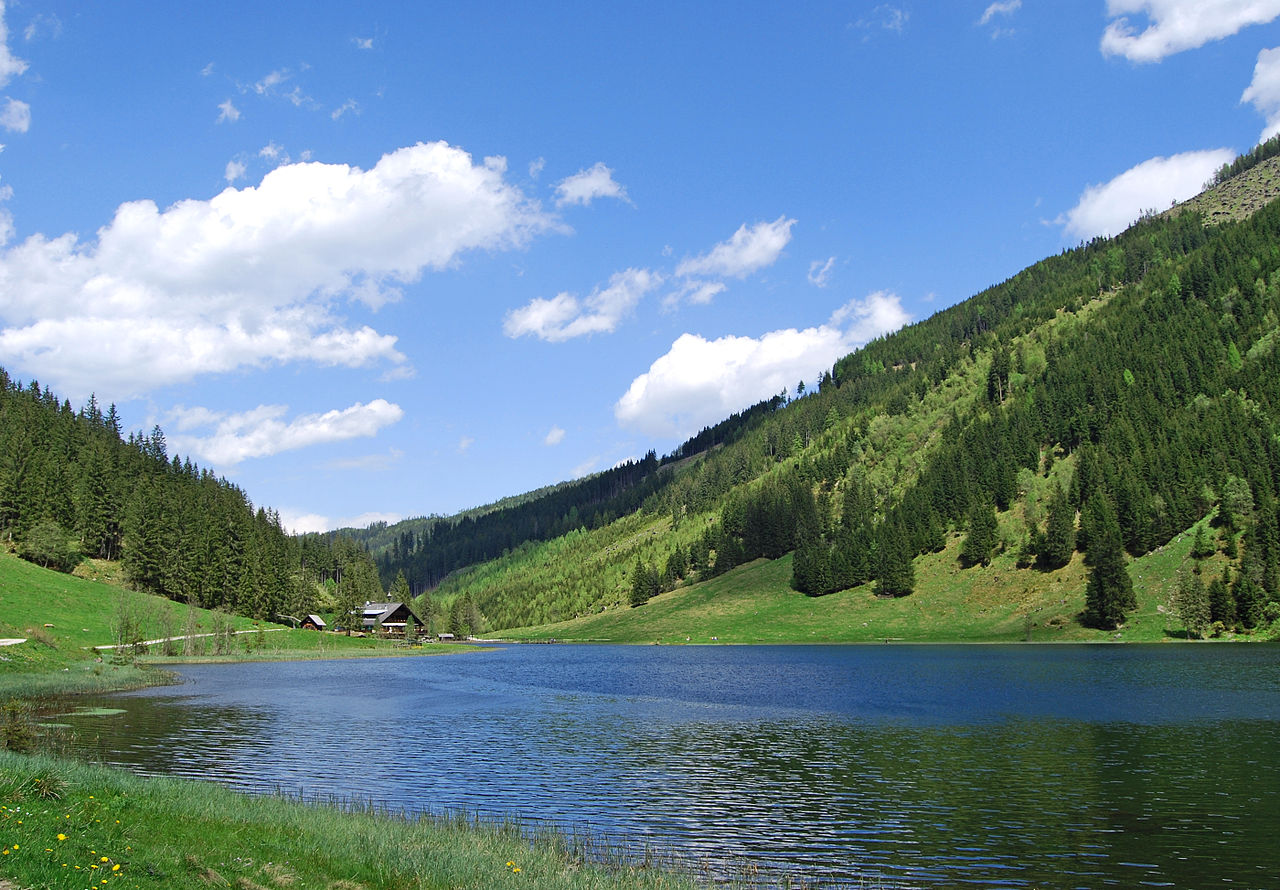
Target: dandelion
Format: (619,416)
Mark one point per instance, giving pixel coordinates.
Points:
(116,867)
(104,859)
(62,837)
(516,870)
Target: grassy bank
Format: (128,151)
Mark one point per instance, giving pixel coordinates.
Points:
(70,825)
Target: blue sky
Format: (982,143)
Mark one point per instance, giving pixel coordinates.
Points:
(380,260)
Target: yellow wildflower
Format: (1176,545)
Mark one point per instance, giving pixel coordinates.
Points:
(62,837)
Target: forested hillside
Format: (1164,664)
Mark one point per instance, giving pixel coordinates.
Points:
(1101,401)
(71,488)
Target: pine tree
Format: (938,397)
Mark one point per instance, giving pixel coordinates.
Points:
(1222,605)
(1109,592)
(1191,603)
(980,543)
(1059,541)
(897,574)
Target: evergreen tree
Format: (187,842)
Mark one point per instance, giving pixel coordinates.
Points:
(897,574)
(1059,542)
(1191,604)
(1109,591)
(1222,605)
(980,543)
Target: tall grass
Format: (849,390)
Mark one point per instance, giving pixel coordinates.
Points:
(72,825)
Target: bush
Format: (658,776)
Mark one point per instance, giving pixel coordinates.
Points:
(46,545)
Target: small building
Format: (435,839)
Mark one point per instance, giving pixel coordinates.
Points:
(389,618)
(313,622)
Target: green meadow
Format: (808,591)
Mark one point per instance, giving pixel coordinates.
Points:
(995,603)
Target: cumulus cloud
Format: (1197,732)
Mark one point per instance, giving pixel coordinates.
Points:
(699,381)
(1264,91)
(749,250)
(10,65)
(554,436)
(564,316)
(585,186)
(235,170)
(250,277)
(15,115)
(1111,207)
(227,111)
(1177,25)
(265,431)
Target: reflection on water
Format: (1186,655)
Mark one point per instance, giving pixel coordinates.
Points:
(920,766)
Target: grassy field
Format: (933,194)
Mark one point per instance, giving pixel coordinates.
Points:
(69,620)
(994,603)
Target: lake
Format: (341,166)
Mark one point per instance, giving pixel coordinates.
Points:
(873,765)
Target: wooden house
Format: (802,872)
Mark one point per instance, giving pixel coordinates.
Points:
(388,618)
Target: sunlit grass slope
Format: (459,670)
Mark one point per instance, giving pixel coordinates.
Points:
(64,617)
(995,603)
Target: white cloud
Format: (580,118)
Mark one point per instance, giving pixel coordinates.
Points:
(1001,7)
(1264,91)
(749,250)
(349,105)
(272,81)
(235,170)
(263,431)
(536,167)
(1177,25)
(299,522)
(820,272)
(699,381)
(15,116)
(363,42)
(694,291)
(250,277)
(10,65)
(564,317)
(1110,207)
(554,436)
(465,443)
(227,112)
(585,186)
(886,17)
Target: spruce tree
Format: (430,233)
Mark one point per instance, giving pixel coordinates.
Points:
(1191,603)
(980,543)
(1059,541)
(1109,592)
(1222,605)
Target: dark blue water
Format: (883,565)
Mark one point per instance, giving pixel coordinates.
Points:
(914,766)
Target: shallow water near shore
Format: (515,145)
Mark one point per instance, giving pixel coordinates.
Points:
(889,765)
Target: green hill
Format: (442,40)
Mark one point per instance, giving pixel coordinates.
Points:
(1127,390)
